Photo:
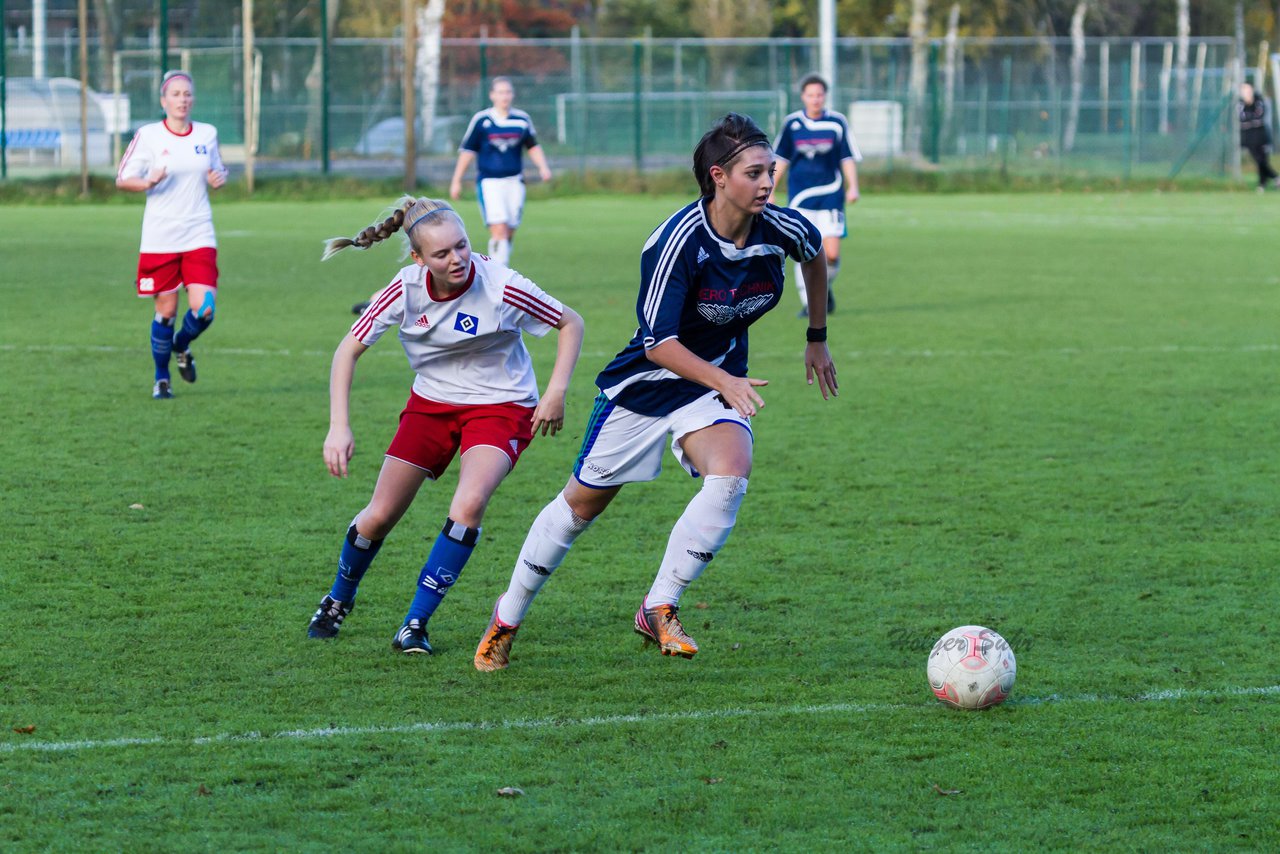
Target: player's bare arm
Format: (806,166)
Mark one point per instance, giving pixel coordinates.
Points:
(738,392)
(549,413)
(850,170)
(141,185)
(464,160)
(817,358)
(539,158)
(339,445)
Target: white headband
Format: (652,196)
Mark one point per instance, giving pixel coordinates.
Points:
(174,76)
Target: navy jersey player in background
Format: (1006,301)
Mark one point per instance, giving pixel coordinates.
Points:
(706,274)
(496,140)
(819,149)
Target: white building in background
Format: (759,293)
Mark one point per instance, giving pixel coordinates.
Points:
(42,121)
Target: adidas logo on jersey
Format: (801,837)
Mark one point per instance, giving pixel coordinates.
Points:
(422,322)
(702,255)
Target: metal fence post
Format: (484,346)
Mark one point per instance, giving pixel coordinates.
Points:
(935,110)
(164,36)
(324,87)
(1128,127)
(637,67)
(1007,68)
(4,101)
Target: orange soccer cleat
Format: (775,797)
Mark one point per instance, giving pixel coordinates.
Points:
(660,625)
(494,651)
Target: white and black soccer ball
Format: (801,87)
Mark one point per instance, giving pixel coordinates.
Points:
(971,667)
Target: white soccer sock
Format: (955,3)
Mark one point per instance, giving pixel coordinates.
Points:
(804,295)
(698,534)
(492,250)
(833,270)
(502,251)
(548,541)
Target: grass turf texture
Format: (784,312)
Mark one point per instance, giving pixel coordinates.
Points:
(1057,418)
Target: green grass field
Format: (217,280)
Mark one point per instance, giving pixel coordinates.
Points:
(1057,418)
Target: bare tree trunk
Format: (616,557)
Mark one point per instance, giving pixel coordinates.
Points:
(430,24)
(108,16)
(949,69)
(1077,75)
(311,136)
(919,31)
(1183,53)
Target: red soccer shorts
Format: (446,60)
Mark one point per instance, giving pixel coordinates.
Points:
(164,272)
(431,433)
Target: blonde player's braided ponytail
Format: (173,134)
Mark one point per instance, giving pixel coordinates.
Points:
(408,213)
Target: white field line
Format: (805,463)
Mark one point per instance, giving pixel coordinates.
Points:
(609,721)
(851,354)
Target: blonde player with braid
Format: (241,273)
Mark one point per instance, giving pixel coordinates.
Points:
(459,317)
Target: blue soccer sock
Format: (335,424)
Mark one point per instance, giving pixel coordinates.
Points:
(357,553)
(161,345)
(192,326)
(448,556)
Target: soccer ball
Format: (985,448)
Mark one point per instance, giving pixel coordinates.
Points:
(971,667)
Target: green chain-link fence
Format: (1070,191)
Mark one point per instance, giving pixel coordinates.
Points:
(1118,108)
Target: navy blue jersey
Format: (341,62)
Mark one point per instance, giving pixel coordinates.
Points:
(697,287)
(814,150)
(498,143)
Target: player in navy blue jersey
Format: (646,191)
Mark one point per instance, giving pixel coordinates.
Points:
(496,140)
(706,274)
(821,152)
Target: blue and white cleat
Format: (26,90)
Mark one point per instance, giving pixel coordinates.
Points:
(160,391)
(328,618)
(186,366)
(412,639)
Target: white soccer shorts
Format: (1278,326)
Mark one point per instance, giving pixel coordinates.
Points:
(625,447)
(502,200)
(829,223)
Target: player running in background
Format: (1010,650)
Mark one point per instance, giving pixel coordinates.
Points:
(175,161)
(819,149)
(495,139)
(706,274)
(460,318)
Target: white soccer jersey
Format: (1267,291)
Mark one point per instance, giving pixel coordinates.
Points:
(177,217)
(466,350)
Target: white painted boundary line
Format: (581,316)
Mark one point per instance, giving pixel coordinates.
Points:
(611,720)
(851,354)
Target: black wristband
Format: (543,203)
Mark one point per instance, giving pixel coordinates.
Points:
(816,335)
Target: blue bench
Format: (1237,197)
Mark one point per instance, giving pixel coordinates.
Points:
(33,140)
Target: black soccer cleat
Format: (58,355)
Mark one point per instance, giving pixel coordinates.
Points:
(328,618)
(359,308)
(186,366)
(412,639)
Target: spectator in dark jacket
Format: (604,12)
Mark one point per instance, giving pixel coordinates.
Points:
(1255,133)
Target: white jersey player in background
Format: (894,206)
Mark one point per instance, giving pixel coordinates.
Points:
(175,161)
(459,317)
